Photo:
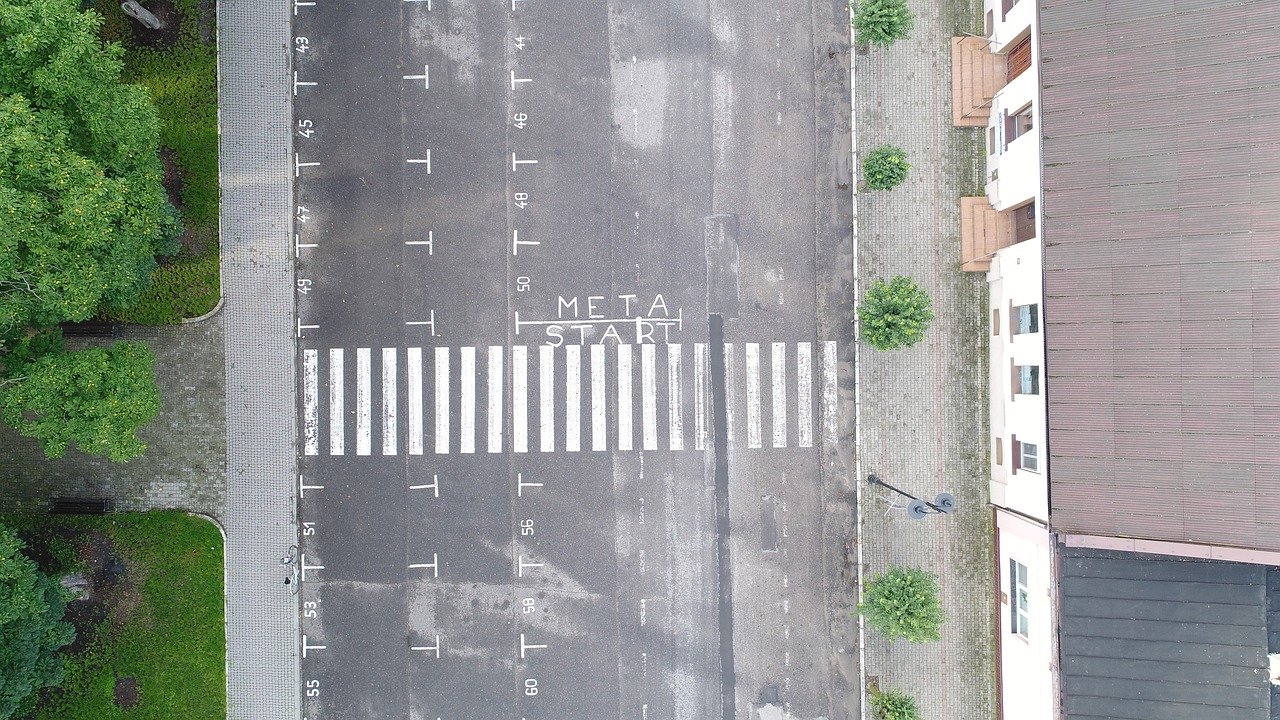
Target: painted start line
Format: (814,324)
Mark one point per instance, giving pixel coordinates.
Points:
(612,394)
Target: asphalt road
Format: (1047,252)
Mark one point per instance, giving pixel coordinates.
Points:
(535,483)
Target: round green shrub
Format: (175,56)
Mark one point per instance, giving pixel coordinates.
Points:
(904,602)
(894,705)
(883,22)
(885,167)
(895,314)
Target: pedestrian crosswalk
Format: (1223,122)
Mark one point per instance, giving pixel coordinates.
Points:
(575,398)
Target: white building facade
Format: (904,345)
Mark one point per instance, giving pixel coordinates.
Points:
(1025,592)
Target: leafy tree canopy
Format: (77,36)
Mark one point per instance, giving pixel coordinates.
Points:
(894,705)
(31,627)
(81,201)
(883,22)
(885,167)
(895,314)
(96,398)
(904,602)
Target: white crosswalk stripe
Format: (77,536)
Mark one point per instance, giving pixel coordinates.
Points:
(624,397)
(599,441)
(389,425)
(675,412)
(442,400)
(364,401)
(413,385)
(520,399)
(310,402)
(778,366)
(467,391)
(793,399)
(830,421)
(337,403)
(649,396)
(572,398)
(804,394)
(752,362)
(546,399)
(700,391)
(496,383)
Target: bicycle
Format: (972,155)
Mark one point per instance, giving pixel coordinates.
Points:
(290,563)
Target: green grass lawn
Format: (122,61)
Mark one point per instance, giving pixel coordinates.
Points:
(181,72)
(164,623)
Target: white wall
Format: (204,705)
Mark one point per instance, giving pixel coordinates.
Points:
(1013,172)
(1020,18)
(1027,664)
(1015,168)
(1015,279)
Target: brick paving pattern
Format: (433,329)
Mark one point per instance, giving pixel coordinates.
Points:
(258,314)
(923,413)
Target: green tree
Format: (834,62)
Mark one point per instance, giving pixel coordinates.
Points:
(96,398)
(31,627)
(883,22)
(84,211)
(895,314)
(885,168)
(904,602)
(894,705)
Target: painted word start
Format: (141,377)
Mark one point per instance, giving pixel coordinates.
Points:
(597,319)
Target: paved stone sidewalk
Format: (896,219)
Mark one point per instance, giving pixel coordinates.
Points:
(224,442)
(923,417)
(185,463)
(256,167)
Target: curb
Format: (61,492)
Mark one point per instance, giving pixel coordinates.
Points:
(221,298)
(857,366)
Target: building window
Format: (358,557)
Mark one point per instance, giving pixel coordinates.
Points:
(1017,125)
(1026,319)
(991,140)
(1028,380)
(1023,122)
(1030,457)
(1018,595)
(999,451)
(995,321)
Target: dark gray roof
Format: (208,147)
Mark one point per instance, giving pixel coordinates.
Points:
(1161,225)
(1162,638)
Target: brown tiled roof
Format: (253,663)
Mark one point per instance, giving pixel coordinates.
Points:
(1161,212)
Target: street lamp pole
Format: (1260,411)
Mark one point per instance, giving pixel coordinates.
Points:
(917,509)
